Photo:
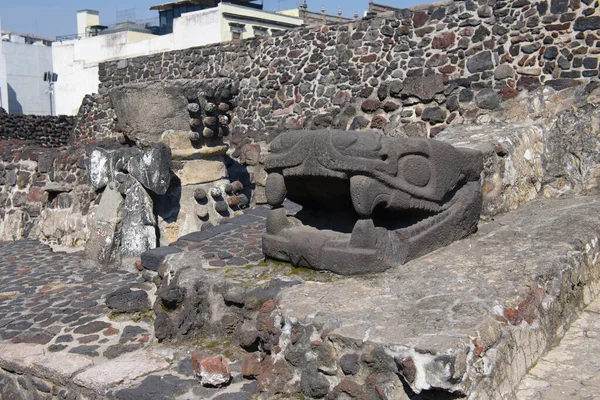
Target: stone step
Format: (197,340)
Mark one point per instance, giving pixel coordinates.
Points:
(572,369)
(470,318)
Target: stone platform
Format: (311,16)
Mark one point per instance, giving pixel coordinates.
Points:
(468,320)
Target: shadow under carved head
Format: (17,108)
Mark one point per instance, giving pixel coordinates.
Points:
(369,202)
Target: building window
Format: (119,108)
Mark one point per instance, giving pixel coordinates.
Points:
(237,31)
(260,31)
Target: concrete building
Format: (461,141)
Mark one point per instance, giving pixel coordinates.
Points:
(23,61)
(76,60)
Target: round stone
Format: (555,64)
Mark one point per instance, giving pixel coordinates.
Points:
(228,188)
(275,189)
(194,136)
(215,192)
(209,121)
(122,139)
(195,122)
(193,107)
(224,120)
(237,186)
(210,108)
(199,194)
(208,133)
(243,199)
(221,207)
(223,107)
(233,201)
(201,212)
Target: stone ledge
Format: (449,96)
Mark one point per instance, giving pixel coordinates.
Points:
(470,318)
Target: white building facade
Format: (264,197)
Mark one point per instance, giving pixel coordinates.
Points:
(76,61)
(23,61)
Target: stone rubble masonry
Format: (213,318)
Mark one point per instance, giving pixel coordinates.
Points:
(400,72)
(45,130)
(413,72)
(45,194)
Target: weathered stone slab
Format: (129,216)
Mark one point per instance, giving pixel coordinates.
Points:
(145,111)
(194,172)
(125,368)
(34,359)
(470,318)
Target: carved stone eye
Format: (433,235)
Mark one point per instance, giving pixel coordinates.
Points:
(415,170)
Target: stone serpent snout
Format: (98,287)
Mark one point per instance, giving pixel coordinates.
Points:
(369,202)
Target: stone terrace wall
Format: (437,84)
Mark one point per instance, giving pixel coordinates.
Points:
(413,72)
(47,131)
(44,193)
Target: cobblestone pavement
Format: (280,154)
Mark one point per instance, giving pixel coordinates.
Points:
(47,298)
(52,309)
(572,369)
(235,242)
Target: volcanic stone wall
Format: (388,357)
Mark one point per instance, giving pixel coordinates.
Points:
(45,130)
(410,72)
(44,193)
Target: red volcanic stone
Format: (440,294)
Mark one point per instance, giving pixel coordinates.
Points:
(407,368)
(369,58)
(36,195)
(251,366)
(558,27)
(233,201)
(444,40)
(370,105)
(294,53)
(275,375)
(508,93)
(351,388)
(420,18)
(447,69)
(378,122)
(212,370)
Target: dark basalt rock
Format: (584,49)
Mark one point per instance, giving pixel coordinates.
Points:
(369,202)
(152,259)
(126,300)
